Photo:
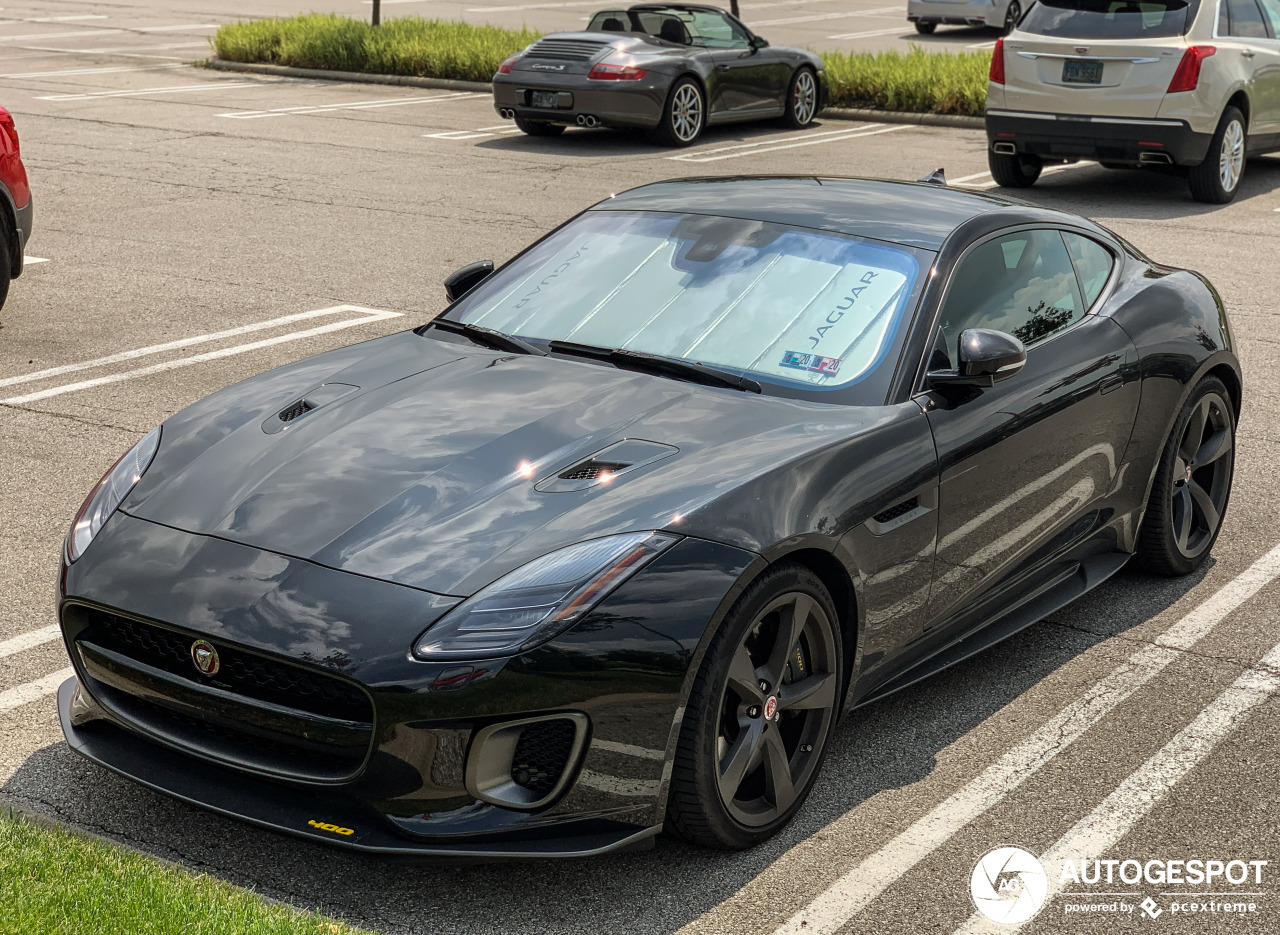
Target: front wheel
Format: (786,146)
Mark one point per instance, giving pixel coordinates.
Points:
(684,115)
(1012,170)
(5,271)
(1192,484)
(1216,180)
(802,99)
(538,127)
(1011,17)
(761,713)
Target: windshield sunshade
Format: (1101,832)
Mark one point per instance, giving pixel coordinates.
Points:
(784,304)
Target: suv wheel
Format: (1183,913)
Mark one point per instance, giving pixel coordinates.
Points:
(1013,170)
(1011,17)
(1216,180)
(925,28)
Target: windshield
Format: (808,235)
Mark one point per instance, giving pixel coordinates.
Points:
(1108,19)
(786,305)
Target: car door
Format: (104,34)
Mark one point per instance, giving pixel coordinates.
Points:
(746,78)
(1023,462)
(1267,78)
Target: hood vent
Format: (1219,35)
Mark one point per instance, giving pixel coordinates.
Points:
(310,401)
(618,459)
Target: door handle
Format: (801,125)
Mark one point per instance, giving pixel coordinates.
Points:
(1248,53)
(1110,383)
(722,68)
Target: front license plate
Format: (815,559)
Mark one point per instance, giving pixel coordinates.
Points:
(542,98)
(1077,72)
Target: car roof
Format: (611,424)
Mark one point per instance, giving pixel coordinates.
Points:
(916,214)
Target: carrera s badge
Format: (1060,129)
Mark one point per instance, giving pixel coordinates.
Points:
(205,657)
(544,67)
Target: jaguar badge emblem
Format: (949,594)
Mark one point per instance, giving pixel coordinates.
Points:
(205,657)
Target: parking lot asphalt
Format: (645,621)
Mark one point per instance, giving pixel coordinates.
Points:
(199,227)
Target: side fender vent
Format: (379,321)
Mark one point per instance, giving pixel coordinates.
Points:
(902,509)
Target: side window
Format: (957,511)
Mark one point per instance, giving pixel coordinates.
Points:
(716,31)
(1093,262)
(1022,284)
(1271,8)
(1246,19)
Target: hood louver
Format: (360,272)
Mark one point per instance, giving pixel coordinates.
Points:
(322,395)
(592,469)
(301,407)
(618,459)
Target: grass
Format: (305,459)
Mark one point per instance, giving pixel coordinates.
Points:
(56,883)
(917,81)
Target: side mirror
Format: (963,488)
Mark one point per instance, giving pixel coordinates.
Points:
(985,358)
(759,42)
(461,281)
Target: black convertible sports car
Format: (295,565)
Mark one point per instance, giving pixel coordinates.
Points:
(670,68)
(611,544)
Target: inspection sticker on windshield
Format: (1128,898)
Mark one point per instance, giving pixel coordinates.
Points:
(813,363)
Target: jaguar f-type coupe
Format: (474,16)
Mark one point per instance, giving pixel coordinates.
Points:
(670,68)
(609,545)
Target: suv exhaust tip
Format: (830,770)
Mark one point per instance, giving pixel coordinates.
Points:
(1160,159)
(1004,149)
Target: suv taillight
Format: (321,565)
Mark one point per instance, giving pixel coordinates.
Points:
(6,124)
(1188,74)
(997,63)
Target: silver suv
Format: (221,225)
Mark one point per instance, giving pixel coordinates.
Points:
(1192,83)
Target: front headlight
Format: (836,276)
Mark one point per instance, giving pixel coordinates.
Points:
(110,493)
(539,600)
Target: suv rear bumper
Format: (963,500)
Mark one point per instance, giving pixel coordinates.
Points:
(1105,139)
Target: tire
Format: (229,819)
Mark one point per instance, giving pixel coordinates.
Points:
(924,28)
(538,127)
(1013,171)
(6,271)
(1225,158)
(684,116)
(729,739)
(1192,485)
(1011,17)
(801,102)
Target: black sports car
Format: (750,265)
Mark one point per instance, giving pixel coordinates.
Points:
(611,544)
(670,68)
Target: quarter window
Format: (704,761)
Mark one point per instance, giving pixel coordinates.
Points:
(1093,262)
(1245,20)
(1023,284)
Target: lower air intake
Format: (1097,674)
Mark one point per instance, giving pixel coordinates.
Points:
(542,753)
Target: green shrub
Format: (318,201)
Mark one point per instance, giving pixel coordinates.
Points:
(917,81)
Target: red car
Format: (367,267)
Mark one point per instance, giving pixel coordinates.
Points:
(15,205)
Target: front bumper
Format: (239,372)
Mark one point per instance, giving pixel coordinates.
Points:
(612,103)
(1105,139)
(973,13)
(414,787)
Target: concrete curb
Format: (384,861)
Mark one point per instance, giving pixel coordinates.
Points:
(448,84)
(49,823)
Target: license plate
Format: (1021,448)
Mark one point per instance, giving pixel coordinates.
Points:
(542,98)
(1077,72)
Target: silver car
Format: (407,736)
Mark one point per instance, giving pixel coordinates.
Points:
(998,14)
(1191,83)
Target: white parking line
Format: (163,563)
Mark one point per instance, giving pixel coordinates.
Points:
(353,105)
(79,34)
(25,641)
(818,17)
(54,19)
(176,28)
(476,133)
(368,315)
(88,71)
(613,746)
(1100,830)
(855,889)
(814,140)
(32,260)
(868,35)
(144,92)
(33,691)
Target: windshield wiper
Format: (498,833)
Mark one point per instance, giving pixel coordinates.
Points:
(652,363)
(487,336)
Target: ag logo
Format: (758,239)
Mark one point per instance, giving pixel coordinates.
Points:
(205,657)
(1009,885)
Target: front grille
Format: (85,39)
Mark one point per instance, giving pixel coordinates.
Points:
(300,408)
(542,753)
(242,673)
(576,50)
(590,470)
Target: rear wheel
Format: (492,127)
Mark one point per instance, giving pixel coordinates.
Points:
(760,715)
(1013,170)
(538,127)
(1216,180)
(802,99)
(684,115)
(1192,485)
(925,28)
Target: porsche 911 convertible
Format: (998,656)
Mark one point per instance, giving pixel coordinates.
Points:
(610,544)
(673,69)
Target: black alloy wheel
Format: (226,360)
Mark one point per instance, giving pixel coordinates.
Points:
(538,127)
(760,715)
(1011,17)
(1192,485)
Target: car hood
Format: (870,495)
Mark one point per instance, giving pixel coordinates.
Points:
(428,463)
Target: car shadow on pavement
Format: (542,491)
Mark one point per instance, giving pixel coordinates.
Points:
(1141,194)
(892,743)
